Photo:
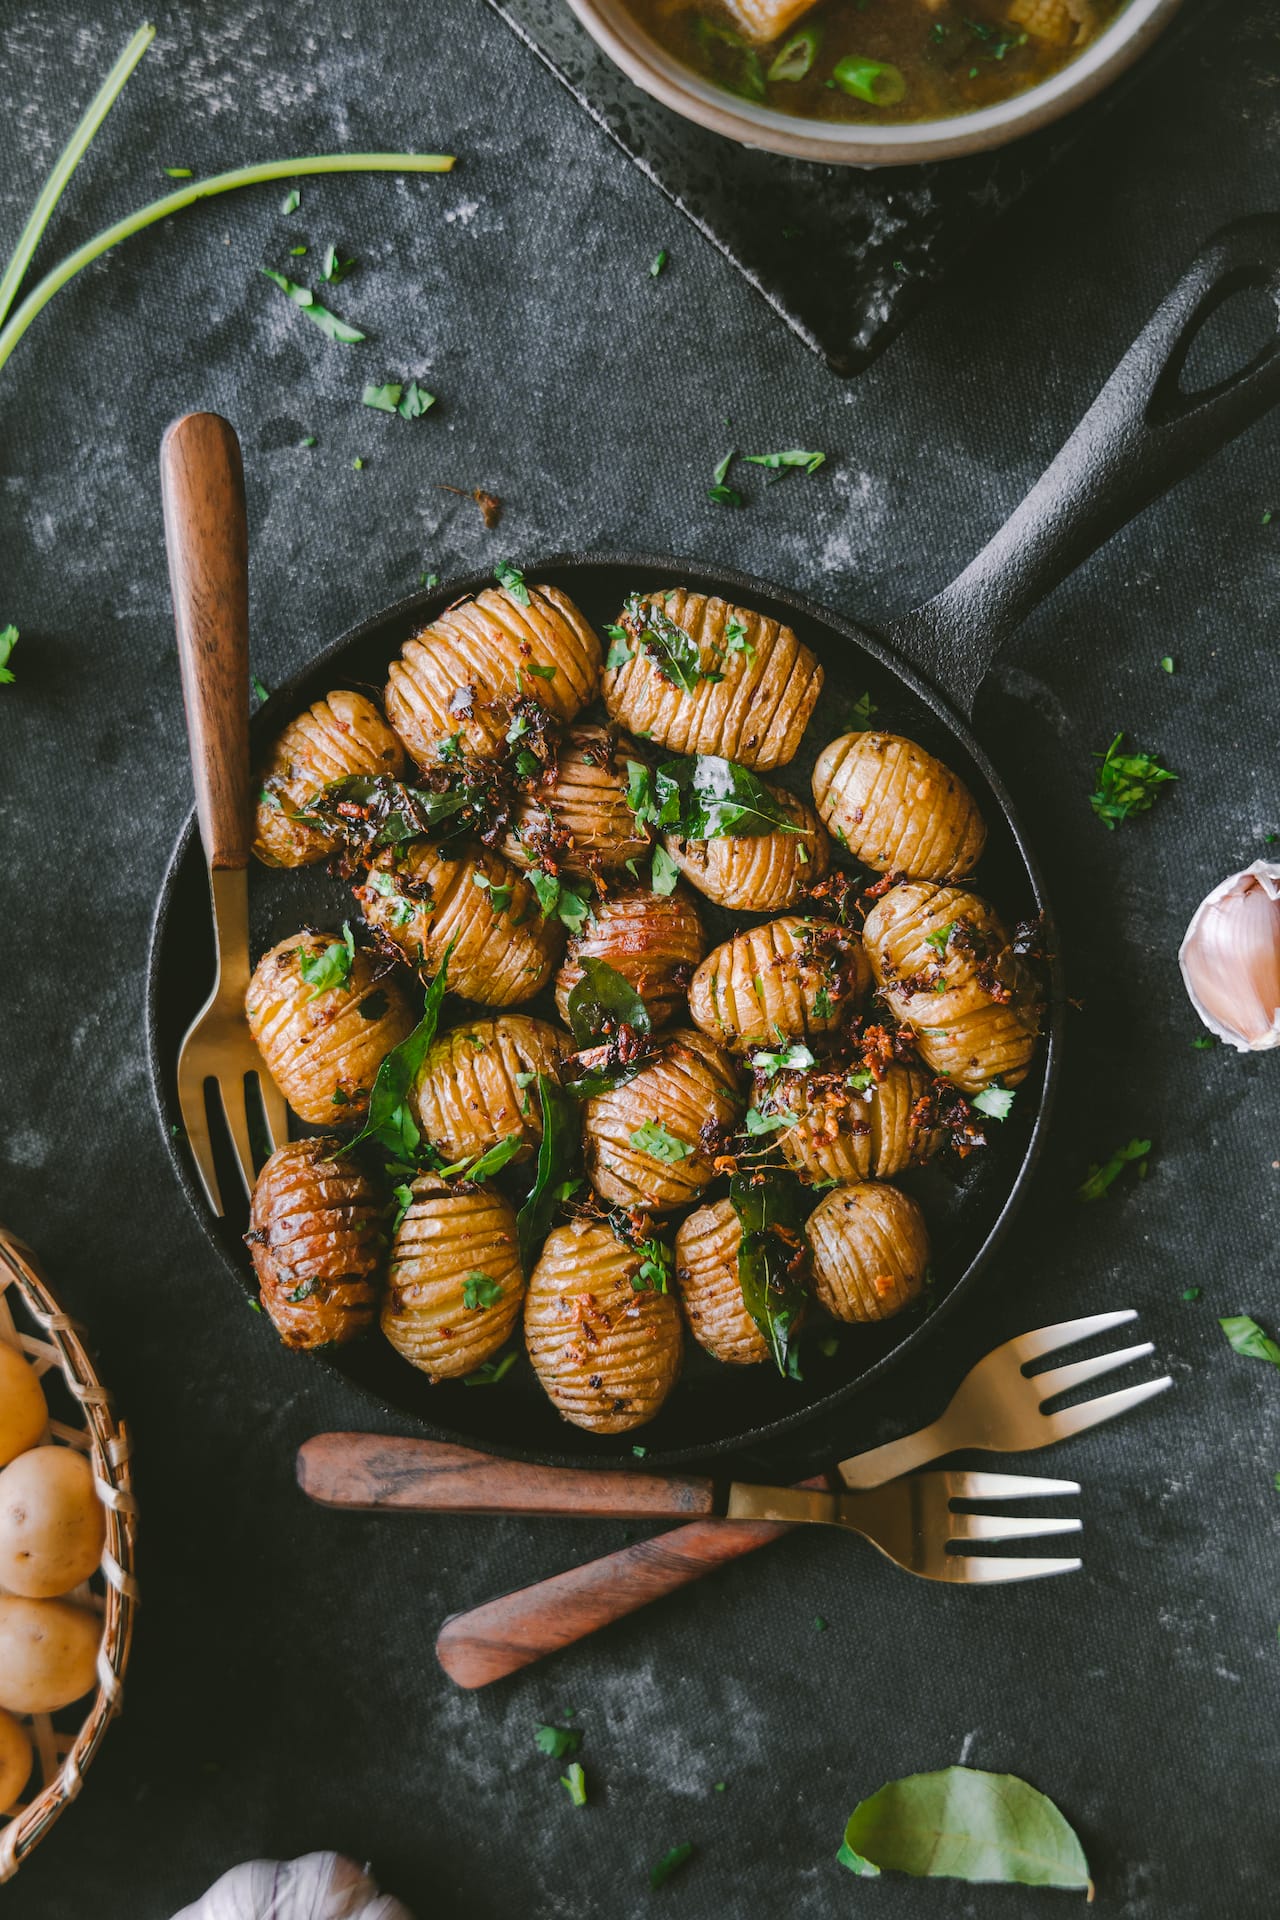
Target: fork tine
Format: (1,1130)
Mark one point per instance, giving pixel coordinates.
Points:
(1067,1332)
(988,1569)
(1062,1379)
(1008,1526)
(195,1122)
(1091,1413)
(274,1107)
(236,1115)
(1006,1486)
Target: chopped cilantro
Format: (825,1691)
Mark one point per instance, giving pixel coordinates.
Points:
(995,1102)
(8,641)
(328,323)
(575,1783)
(332,968)
(653,1138)
(659,263)
(478,1290)
(491,1372)
(1128,783)
(1247,1337)
(780,462)
(292,201)
(559,1742)
(670,1863)
(513,580)
(940,937)
(1101,1178)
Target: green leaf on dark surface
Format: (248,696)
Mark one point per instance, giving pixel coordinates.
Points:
(619,650)
(491,1372)
(1246,1336)
(415,402)
(783,462)
(386,399)
(332,968)
(963,1824)
(8,641)
(860,713)
(178,173)
(674,653)
(653,1138)
(556,1154)
(995,1102)
(670,1863)
(575,1784)
(334,270)
(1128,783)
(513,580)
(1101,1178)
(664,874)
(292,201)
(721,473)
(722,496)
(390,1122)
(328,323)
(770,1210)
(262,692)
(559,1742)
(659,262)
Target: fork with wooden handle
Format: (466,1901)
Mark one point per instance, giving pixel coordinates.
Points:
(996,1407)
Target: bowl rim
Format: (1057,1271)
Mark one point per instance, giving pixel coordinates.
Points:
(857,143)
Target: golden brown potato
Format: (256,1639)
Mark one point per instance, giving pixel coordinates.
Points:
(52,1529)
(15,1760)
(654,940)
(463,673)
(578,819)
(946,968)
(651,1143)
(606,1351)
(711,1293)
(48,1653)
(755,683)
(468,1095)
(323,1045)
(340,735)
(851,1126)
(794,978)
(23,1413)
(896,808)
(454,1287)
(425,902)
(316,1235)
(1059,23)
(870,1251)
(757,873)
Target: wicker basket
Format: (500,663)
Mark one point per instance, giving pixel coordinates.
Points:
(80,1416)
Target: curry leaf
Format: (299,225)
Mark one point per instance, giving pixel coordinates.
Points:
(674,653)
(1128,783)
(995,1102)
(415,402)
(703,797)
(770,1217)
(780,462)
(603,1001)
(374,810)
(1101,1178)
(492,1160)
(963,1824)
(556,1156)
(664,873)
(390,1122)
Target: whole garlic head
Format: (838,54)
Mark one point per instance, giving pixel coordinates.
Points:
(1230,959)
(319,1886)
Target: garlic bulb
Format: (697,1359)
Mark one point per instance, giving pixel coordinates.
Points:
(319,1886)
(1230,958)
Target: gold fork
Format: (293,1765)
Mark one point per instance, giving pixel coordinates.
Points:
(206,534)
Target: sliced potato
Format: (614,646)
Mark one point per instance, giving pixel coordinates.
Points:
(652,1143)
(470,906)
(793,978)
(607,1352)
(753,684)
(654,940)
(23,1413)
(849,1128)
(469,1094)
(48,1653)
(317,1237)
(323,1045)
(757,873)
(707,1244)
(870,1251)
(464,673)
(52,1528)
(896,808)
(454,1287)
(576,819)
(342,734)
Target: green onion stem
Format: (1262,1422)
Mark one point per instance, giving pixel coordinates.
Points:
(42,293)
(68,160)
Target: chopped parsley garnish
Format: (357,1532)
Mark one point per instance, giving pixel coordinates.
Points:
(491,1372)
(722,496)
(940,938)
(410,402)
(415,401)
(670,1863)
(660,261)
(335,269)
(995,1102)
(259,689)
(575,1784)
(654,1272)
(1128,783)
(540,671)
(8,641)
(478,1291)
(659,1143)
(619,651)
(332,968)
(1101,1178)
(664,873)
(762,1123)
(721,473)
(736,640)
(561,898)
(703,797)
(1247,1337)
(328,323)
(558,1742)
(781,462)
(478,1167)
(795,1058)
(292,201)
(385,398)
(513,580)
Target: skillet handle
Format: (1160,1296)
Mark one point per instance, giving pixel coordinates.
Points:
(1139,438)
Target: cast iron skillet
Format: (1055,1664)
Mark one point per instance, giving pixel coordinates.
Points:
(1142,434)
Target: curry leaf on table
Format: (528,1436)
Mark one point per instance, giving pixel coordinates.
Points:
(964,1824)
(770,1212)
(1128,783)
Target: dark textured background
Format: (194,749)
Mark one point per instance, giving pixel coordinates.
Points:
(284,1694)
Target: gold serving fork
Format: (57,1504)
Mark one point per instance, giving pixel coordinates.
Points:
(206,534)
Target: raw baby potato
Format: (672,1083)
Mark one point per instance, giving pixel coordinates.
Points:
(52,1528)
(870,1251)
(15,1760)
(651,1143)
(468,1094)
(341,735)
(455,1285)
(654,940)
(794,978)
(48,1653)
(23,1413)
(606,1351)
(323,1045)
(316,1235)
(470,905)
(707,1275)
(896,808)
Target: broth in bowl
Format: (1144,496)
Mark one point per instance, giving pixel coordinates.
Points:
(875,61)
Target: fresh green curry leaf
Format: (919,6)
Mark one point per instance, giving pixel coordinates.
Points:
(415,401)
(489,1374)
(664,874)
(478,1169)
(703,797)
(559,1742)
(386,399)
(601,1002)
(782,462)
(963,1824)
(674,653)
(390,1121)
(556,1155)
(770,1213)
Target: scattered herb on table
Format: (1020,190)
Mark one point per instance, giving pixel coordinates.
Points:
(1167,663)
(332,968)
(1204,1041)
(655,1139)
(963,1824)
(8,641)
(178,173)
(660,261)
(671,1863)
(513,580)
(259,689)
(575,1784)
(1128,783)
(291,202)
(1101,1178)
(781,463)
(333,269)
(722,496)
(385,398)
(415,402)
(558,1742)
(1192,1293)
(721,473)
(303,298)
(1246,1336)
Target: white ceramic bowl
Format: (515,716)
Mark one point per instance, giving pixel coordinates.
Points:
(860,145)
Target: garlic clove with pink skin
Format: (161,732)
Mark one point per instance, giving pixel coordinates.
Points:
(1230,959)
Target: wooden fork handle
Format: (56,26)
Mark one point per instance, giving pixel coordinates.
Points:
(491,1641)
(206,533)
(368,1471)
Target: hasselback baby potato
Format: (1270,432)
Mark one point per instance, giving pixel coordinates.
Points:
(710,1290)
(850,1126)
(463,673)
(651,1142)
(576,817)
(341,735)
(870,1251)
(323,1045)
(468,1095)
(793,977)
(454,1285)
(316,1236)
(654,940)
(946,968)
(425,902)
(604,1343)
(757,873)
(896,808)
(702,676)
